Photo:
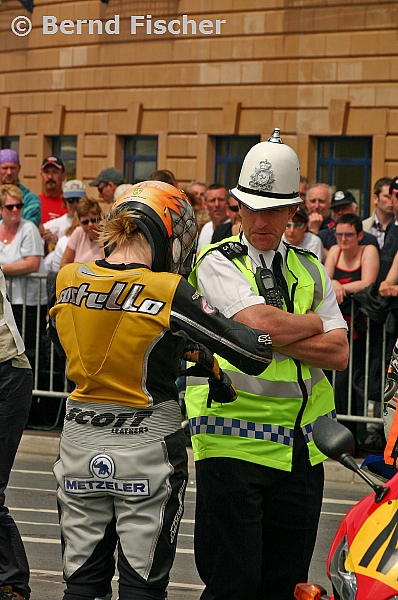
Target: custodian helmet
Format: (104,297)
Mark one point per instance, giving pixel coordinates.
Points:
(270,176)
(168,221)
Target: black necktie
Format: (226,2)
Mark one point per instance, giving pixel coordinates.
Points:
(281,281)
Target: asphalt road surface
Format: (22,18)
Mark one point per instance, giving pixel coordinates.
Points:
(31,499)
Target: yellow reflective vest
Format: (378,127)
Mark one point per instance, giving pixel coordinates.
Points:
(259,426)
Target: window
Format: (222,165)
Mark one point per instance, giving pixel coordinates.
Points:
(345,162)
(140,157)
(10,141)
(230,153)
(65,147)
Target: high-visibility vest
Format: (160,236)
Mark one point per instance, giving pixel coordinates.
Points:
(259,426)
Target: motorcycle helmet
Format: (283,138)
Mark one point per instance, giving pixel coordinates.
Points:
(270,176)
(168,221)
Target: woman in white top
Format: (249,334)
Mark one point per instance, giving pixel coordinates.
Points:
(21,252)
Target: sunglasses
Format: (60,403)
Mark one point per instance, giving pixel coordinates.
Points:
(10,207)
(101,188)
(234,208)
(87,221)
(72,200)
(294,224)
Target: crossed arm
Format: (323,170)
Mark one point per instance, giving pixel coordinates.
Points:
(299,336)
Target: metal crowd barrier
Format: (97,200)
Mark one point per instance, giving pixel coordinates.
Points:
(366,408)
(51,392)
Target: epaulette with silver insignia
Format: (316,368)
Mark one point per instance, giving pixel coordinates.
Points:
(232,249)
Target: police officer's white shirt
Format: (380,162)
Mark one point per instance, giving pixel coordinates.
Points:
(221,282)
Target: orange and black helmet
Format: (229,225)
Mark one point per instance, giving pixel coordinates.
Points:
(168,221)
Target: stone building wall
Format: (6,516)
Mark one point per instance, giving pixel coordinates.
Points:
(312,68)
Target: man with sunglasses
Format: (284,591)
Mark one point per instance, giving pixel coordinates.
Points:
(106,183)
(10,167)
(52,175)
(73,191)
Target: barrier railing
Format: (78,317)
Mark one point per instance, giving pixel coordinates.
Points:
(50,389)
(31,321)
(367,408)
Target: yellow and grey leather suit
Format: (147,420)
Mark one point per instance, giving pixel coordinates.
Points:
(123,329)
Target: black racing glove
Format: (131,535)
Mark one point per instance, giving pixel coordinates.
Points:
(221,388)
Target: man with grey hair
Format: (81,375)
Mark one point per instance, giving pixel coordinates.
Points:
(318,207)
(197,189)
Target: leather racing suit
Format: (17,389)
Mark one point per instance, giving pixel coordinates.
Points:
(122,469)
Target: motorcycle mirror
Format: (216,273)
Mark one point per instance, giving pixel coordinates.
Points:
(332,438)
(337,442)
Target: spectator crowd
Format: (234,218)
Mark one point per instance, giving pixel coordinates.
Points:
(41,233)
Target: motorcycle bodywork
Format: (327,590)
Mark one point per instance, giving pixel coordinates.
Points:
(363,559)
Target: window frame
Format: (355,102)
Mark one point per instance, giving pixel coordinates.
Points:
(68,158)
(330,161)
(130,159)
(228,159)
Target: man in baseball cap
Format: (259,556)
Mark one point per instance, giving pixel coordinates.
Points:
(52,174)
(53,160)
(10,167)
(344,202)
(73,191)
(106,182)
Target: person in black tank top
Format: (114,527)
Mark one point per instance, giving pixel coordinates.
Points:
(351,268)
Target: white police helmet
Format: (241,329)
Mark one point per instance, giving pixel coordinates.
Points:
(270,176)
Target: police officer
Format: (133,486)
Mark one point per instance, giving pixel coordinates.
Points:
(124,323)
(259,474)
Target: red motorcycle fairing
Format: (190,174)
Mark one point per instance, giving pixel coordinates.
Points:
(371,533)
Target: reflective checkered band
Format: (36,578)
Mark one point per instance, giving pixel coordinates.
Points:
(307,429)
(246,429)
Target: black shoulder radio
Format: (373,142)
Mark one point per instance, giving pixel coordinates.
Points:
(267,285)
